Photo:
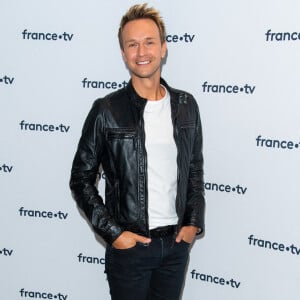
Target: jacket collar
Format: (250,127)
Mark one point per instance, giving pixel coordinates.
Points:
(141,102)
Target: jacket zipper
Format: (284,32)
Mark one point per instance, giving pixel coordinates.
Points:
(174,113)
(143,148)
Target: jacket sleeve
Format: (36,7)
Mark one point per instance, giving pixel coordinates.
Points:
(84,173)
(195,205)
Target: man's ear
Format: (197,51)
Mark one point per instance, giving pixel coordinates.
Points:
(164,49)
(123,55)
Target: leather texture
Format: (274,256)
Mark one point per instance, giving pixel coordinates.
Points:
(113,137)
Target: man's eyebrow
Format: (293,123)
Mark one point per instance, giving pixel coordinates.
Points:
(134,40)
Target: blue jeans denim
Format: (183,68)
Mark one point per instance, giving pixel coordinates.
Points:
(147,272)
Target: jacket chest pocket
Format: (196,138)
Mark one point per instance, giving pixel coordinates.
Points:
(187,131)
(187,125)
(120,134)
(121,141)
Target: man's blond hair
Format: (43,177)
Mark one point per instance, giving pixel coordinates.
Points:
(141,11)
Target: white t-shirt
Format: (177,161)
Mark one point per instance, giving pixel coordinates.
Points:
(162,162)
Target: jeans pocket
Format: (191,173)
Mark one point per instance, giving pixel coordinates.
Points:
(126,250)
(183,242)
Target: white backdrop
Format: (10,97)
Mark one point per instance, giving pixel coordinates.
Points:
(241,61)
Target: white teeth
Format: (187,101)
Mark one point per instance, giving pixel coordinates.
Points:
(143,62)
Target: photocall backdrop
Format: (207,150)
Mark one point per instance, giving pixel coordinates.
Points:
(240,59)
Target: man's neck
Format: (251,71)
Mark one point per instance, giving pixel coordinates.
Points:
(149,89)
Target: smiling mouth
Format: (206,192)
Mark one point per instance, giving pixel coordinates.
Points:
(143,62)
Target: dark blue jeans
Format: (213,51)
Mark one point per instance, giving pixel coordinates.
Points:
(147,272)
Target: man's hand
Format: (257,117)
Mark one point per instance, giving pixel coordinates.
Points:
(187,234)
(129,239)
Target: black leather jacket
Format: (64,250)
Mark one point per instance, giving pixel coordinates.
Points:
(113,136)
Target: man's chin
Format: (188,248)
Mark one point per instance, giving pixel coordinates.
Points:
(144,75)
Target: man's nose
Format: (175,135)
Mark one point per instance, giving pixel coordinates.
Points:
(141,50)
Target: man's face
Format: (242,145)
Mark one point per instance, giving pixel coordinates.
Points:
(143,49)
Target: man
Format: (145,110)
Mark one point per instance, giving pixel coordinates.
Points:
(147,137)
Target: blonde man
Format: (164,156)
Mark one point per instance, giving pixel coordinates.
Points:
(148,139)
